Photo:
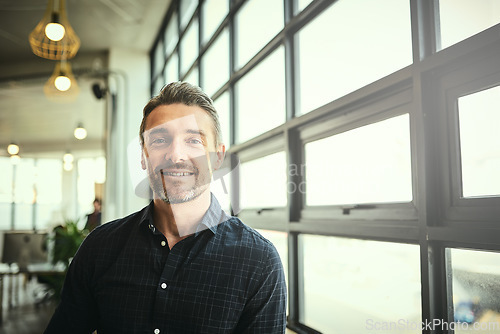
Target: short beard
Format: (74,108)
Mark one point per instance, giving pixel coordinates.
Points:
(157,185)
(191,195)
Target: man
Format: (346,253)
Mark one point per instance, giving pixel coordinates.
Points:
(180,265)
(94,218)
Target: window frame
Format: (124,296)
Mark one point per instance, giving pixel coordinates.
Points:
(437,218)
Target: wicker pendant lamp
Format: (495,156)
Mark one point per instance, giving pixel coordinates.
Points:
(62,85)
(53,38)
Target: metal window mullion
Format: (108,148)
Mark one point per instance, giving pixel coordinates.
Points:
(422,178)
(235,177)
(426,130)
(438,286)
(289,64)
(424,28)
(200,40)
(293,278)
(294,154)
(232,59)
(178,46)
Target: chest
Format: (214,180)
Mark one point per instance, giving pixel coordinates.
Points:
(188,288)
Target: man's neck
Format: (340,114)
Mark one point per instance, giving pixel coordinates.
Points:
(178,221)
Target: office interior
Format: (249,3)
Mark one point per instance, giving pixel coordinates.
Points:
(365,135)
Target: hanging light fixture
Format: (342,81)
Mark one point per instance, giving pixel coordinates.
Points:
(13,149)
(68,166)
(80,132)
(14,159)
(68,161)
(53,37)
(68,157)
(62,84)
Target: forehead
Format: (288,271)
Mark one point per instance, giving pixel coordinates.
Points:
(179,116)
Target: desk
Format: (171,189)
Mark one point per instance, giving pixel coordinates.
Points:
(30,270)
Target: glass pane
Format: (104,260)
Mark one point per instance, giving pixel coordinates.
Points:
(370,164)
(187,9)
(214,11)
(5,181)
(189,47)
(46,215)
(90,172)
(23,216)
(222,107)
(263,182)
(361,46)
(476,297)
(172,69)
(252,36)
(49,181)
(460,19)
(159,58)
(5,213)
(301,4)
(24,182)
(480,143)
(369,283)
(171,34)
(215,64)
(193,77)
(261,96)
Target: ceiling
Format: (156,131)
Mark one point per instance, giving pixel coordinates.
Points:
(44,127)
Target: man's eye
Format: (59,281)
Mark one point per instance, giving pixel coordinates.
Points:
(159,141)
(195,141)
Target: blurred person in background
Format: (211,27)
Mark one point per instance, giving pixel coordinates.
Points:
(94,218)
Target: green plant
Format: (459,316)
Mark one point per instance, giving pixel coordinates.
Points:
(67,238)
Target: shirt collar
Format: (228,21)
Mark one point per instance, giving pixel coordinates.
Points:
(211,219)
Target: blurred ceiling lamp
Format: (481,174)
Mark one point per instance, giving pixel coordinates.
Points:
(68,161)
(80,132)
(14,159)
(13,149)
(68,158)
(53,38)
(68,166)
(62,84)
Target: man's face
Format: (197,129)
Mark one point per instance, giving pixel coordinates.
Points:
(179,152)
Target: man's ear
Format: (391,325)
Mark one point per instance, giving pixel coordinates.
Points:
(144,155)
(219,156)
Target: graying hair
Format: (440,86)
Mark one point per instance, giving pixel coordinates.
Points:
(185,93)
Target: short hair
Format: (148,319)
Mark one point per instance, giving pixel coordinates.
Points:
(185,93)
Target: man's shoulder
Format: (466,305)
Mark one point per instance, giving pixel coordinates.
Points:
(119,227)
(238,234)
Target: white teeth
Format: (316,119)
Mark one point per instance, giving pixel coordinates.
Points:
(177,174)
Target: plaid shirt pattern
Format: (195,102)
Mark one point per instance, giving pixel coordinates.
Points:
(225,278)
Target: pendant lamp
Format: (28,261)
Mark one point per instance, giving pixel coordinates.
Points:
(53,38)
(62,85)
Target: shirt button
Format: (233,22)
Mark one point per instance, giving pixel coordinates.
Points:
(163,285)
(157,331)
(163,243)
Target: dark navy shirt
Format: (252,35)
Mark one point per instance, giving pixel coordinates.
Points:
(225,278)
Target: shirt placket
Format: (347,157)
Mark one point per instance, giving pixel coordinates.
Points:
(173,261)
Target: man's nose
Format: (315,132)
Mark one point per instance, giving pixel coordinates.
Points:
(176,151)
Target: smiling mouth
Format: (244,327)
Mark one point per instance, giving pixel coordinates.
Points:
(166,173)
